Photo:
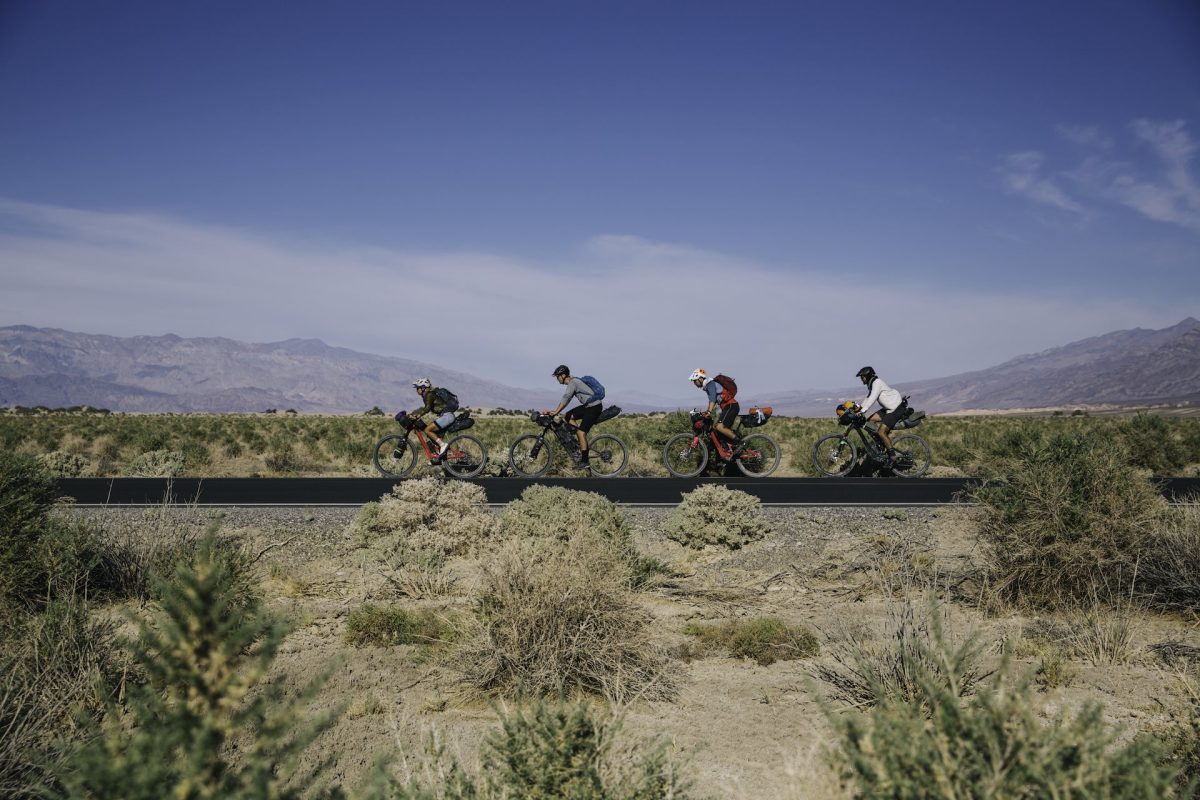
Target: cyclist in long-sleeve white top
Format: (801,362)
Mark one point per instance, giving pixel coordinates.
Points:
(890,403)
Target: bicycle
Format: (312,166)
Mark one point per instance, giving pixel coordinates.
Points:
(532,455)
(686,455)
(395,455)
(836,455)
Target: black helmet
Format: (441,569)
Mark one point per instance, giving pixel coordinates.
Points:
(562,369)
(866,372)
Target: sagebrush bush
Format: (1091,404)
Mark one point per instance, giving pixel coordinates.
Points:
(717,515)
(65,465)
(549,752)
(993,746)
(1152,444)
(391,625)
(204,655)
(558,618)
(1169,567)
(1063,515)
(430,514)
(763,639)
(158,464)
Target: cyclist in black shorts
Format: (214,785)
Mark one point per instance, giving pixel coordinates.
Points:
(721,391)
(583,416)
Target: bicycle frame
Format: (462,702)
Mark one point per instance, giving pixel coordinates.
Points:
(432,456)
(872,446)
(724,450)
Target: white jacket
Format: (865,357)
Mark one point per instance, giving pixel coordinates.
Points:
(888,397)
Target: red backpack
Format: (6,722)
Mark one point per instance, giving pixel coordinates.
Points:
(729,387)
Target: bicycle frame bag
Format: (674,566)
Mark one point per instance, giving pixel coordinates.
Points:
(608,414)
(596,386)
(757,416)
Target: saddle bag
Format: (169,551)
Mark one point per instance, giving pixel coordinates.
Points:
(461,423)
(608,413)
(757,416)
(912,420)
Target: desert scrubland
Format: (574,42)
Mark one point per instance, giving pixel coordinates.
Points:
(1042,642)
(211,445)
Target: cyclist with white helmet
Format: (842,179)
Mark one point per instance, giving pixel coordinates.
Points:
(722,392)
(890,403)
(442,403)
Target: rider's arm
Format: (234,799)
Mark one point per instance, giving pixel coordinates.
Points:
(425,409)
(876,388)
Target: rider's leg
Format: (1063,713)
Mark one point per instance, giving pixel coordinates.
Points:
(724,425)
(883,434)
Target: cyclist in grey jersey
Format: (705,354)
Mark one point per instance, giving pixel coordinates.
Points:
(584,415)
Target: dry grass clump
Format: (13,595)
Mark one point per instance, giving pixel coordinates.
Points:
(558,618)
(864,670)
(717,515)
(430,514)
(391,625)
(62,464)
(1063,515)
(763,639)
(1169,569)
(420,574)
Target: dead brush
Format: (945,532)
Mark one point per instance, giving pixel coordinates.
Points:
(1102,632)
(420,574)
(558,619)
(863,669)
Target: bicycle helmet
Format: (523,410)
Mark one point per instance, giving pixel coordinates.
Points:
(866,374)
(422,383)
(562,369)
(698,375)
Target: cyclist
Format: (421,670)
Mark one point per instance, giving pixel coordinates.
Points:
(583,416)
(890,403)
(442,403)
(721,391)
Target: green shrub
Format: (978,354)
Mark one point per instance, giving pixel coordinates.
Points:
(1152,444)
(157,464)
(65,465)
(1062,516)
(717,515)
(391,625)
(558,618)
(203,654)
(994,746)
(763,639)
(549,753)
(1168,569)
(448,517)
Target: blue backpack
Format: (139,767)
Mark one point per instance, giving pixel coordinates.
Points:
(596,386)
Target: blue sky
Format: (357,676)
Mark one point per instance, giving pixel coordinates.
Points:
(576,180)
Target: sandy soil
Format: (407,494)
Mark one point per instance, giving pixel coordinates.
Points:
(744,730)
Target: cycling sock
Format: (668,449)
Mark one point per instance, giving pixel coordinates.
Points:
(583,455)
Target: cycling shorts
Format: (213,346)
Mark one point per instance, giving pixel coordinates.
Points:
(890,418)
(586,416)
(445,420)
(728,415)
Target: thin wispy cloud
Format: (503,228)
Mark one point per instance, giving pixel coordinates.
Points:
(640,313)
(1161,188)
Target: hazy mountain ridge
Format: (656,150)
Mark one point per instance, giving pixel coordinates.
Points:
(1128,366)
(42,366)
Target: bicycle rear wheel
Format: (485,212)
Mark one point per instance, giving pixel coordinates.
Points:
(685,456)
(530,456)
(394,455)
(912,456)
(466,456)
(834,455)
(607,455)
(759,457)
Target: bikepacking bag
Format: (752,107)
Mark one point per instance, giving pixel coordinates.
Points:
(912,420)
(461,423)
(596,386)
(608,414)
(757,416)
(449,398)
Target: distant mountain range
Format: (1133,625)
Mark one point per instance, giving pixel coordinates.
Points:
(1133,367)
(57,368)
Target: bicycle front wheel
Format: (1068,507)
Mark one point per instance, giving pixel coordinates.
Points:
(394,455)
(685,455)
(912,456)
(834,455)
(759,457)
(465,457)
(607,455)
(530,456)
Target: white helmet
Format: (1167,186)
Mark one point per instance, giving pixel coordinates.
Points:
(422,383)
(698,375)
